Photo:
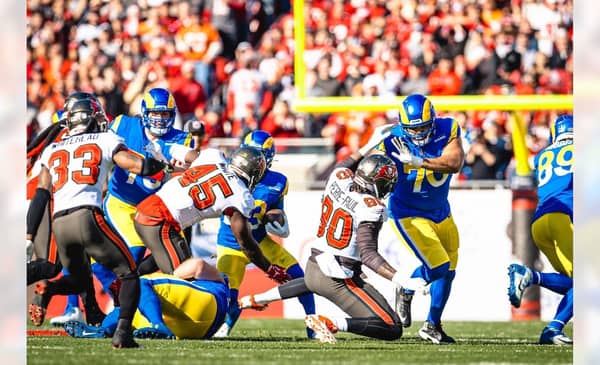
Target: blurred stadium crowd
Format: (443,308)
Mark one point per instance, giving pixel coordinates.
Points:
(229,63)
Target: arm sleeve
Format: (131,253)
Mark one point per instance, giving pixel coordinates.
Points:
(349,163)
(366,238)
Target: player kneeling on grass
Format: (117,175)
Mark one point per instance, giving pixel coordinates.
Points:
(190,304)
(352,215)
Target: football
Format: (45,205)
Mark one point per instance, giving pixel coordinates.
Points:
(274,215)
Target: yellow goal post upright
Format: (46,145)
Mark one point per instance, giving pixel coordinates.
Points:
(522,184)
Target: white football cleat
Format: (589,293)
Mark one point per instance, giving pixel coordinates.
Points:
(248,302)
(73,314)
(323,327)
(223,331)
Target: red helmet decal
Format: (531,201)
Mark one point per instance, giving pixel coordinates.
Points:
(386,171)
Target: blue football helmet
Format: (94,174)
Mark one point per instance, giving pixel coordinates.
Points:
(562,128)
(263,141)
(158,100)
(417,117)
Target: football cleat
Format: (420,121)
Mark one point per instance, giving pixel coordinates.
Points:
(79,329)
(71,314)
(554,336)
(520,278)
(39,303)
(403,302)
(153,333)
(223,331)
(123,339)
(435,334)
(248,302)
(323,327)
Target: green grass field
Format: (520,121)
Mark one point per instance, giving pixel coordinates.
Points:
(284,342)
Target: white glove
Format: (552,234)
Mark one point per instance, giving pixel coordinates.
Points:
(278,229)
(29,249)
(379,134)
(418,285)
(405,156)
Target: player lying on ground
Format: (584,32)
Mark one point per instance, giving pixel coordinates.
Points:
(190,304)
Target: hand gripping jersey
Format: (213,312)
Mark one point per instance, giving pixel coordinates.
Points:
(554,173)
(206,190)
(79,166)
(130,187)
(342,210)
(268,194)
(421,192)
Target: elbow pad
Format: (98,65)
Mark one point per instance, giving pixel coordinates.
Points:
(37,207)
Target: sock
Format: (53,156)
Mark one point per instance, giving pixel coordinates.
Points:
(40,269)
(129,295)
(72,299)
(234,311)
(341,323)
(72,302)
(110,321)
(268,296)
(564,312)
(440,292)
(558,283)
(307,300)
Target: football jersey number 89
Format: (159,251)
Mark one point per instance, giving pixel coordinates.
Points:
(550,163)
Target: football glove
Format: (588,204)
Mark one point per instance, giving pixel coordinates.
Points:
(418,285)
(379,134)
(278,274)
(278,229)
(404,154)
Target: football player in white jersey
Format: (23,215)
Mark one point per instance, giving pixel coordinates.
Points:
(211,187)
(74,171)
(352,213)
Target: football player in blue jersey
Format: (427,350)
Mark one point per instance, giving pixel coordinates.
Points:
(190,304)
(552,230)
(150,135)
(427,150)
(268,194)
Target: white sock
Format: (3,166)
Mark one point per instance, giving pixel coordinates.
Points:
(269,296)
(341,323)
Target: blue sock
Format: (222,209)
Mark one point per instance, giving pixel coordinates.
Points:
(151,308)
(104,276)
(564,312)
(72,299)
(234,311)
(558,283)
(307,300)
(440,292)
(110,321)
